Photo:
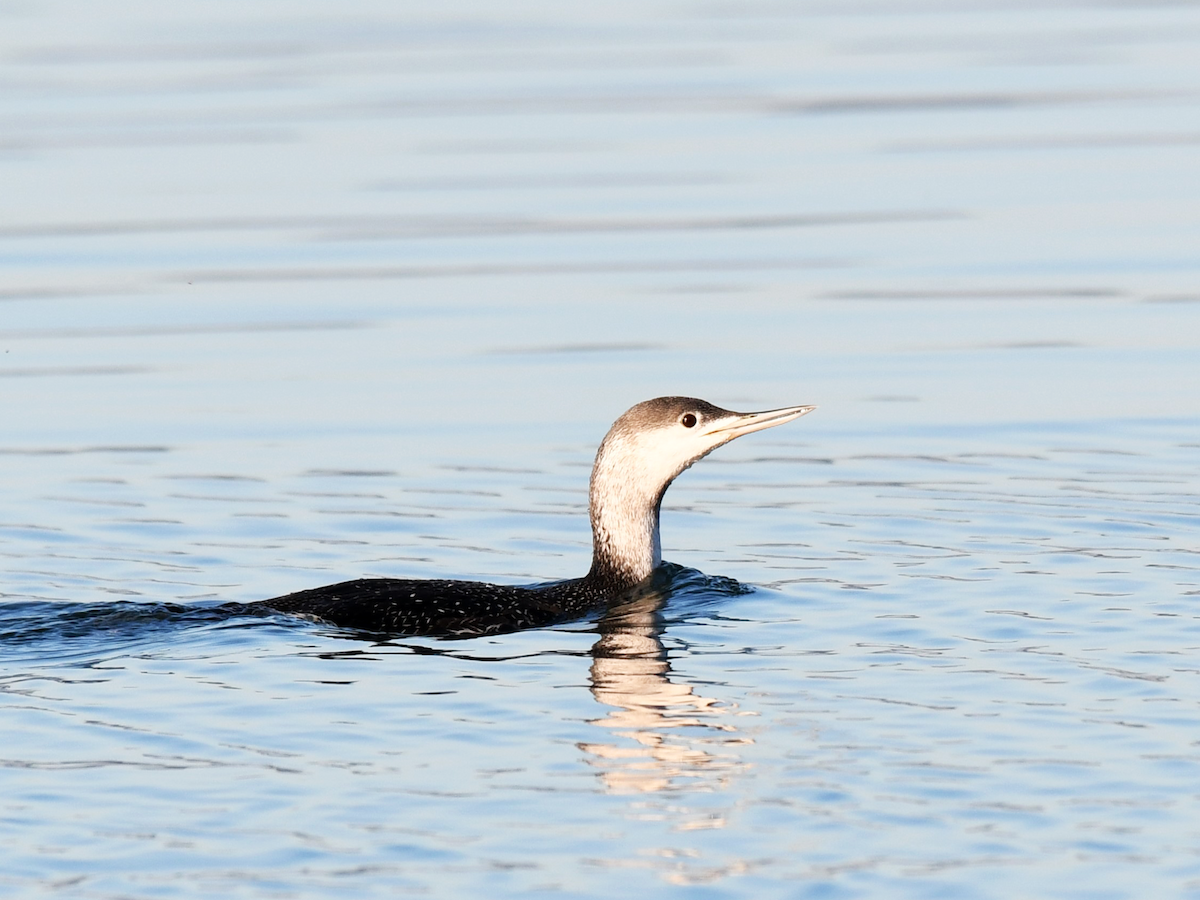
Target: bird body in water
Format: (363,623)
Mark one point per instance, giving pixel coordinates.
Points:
(643,452)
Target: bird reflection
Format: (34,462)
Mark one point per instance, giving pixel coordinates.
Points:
(663,735)
(680,740)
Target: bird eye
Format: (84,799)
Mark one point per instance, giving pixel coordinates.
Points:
(688,420)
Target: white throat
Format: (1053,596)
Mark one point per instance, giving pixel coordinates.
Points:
(631,474)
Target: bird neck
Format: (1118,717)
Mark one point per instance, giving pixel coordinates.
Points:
(624,506)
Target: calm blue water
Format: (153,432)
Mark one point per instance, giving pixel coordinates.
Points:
(290,295)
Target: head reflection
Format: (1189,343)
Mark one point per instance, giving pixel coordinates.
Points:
(673,738)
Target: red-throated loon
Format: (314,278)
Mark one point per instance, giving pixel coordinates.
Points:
(643,452)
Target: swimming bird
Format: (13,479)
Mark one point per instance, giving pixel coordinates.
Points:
(643,452)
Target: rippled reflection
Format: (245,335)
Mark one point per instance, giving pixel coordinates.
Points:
(679,739)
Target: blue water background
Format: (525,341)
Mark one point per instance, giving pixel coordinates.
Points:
(293,293)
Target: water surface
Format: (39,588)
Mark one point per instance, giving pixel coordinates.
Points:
(291,297)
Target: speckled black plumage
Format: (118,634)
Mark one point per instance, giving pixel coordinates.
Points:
(440,607)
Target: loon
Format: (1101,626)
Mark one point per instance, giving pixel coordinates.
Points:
(643,452)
